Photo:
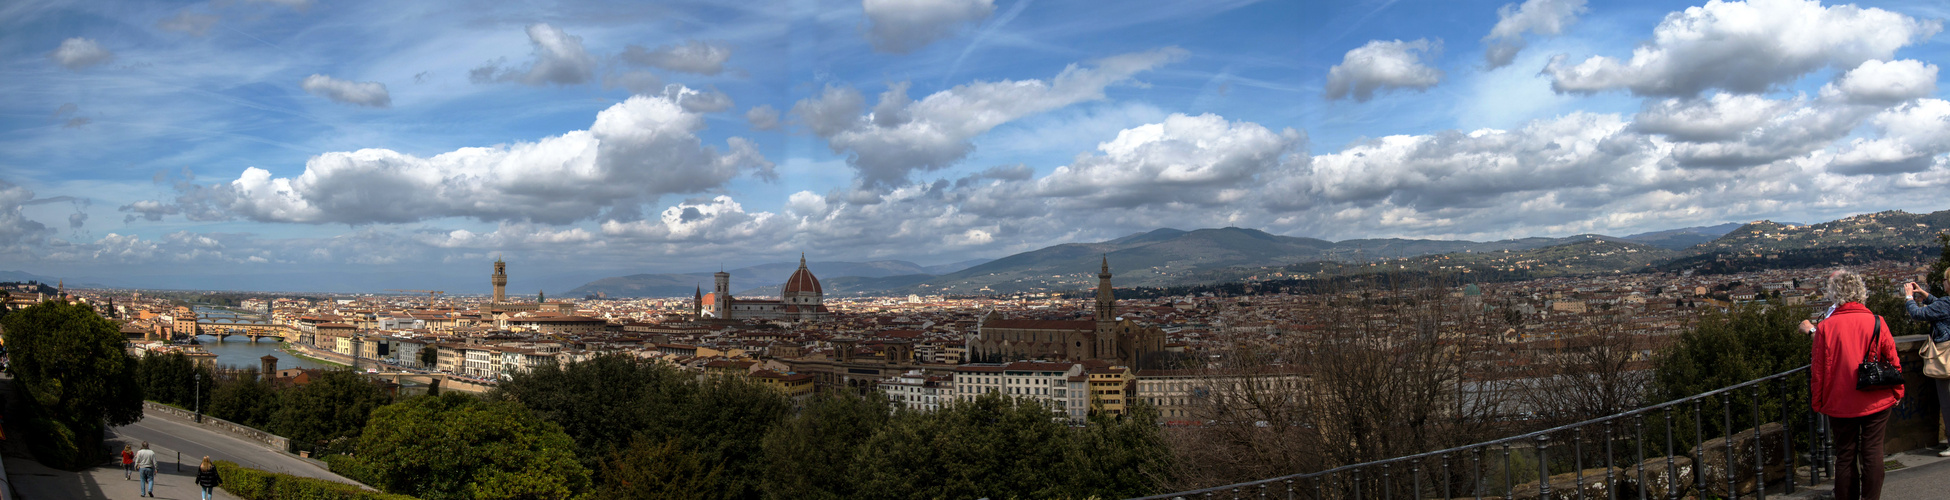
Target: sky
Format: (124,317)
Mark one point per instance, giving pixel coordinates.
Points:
(327,145)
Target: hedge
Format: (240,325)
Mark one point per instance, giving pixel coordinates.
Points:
(253,484)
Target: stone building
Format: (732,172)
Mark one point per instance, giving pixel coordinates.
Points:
(800,299)
(1108,337)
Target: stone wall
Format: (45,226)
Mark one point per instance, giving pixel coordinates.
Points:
(269,440)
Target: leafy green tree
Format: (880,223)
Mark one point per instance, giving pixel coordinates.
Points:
(812,455)
(725,421)
(993,446)
(1120,457)
(603,402)
(1746,342)
(429,356)
(666,471)
(323,415)
(71,365)
(245,398)
(171,378)
(455,446)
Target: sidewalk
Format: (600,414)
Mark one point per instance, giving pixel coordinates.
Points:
(1911,474)
(34,481)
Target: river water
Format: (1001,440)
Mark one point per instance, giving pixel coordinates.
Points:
(238,350)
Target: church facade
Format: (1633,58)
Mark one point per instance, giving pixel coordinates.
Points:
(1107,337)
(800,299)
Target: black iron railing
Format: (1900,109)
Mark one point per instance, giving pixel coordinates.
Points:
(1690,464)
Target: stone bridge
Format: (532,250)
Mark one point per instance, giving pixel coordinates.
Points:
(253,328)
(444,381)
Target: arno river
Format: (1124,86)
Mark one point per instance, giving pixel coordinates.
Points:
(240,351)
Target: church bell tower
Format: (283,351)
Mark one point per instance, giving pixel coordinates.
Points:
(500,280)
(1106,299)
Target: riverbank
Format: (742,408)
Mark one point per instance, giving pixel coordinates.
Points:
(297,351)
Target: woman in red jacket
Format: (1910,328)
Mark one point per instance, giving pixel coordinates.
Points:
(1858,418)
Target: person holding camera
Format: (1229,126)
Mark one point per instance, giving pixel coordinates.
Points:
(1923,307)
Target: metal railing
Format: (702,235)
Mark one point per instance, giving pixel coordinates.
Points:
(1471,471)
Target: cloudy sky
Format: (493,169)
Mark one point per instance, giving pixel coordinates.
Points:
(318,144)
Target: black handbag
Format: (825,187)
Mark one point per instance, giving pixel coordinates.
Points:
(1876,373)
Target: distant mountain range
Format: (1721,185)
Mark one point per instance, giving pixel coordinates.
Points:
(1169,257)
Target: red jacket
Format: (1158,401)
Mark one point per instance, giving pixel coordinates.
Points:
(1840,342)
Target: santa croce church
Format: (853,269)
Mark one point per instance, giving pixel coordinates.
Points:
(1107,338)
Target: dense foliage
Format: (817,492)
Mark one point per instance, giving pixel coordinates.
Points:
(655,432)
(327,415)
(70,365)
(244,397)
(455,446)
(171,378)
(253,484)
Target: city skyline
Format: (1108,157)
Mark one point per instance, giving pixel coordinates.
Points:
(257,141)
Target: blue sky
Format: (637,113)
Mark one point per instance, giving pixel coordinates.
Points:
(297,144)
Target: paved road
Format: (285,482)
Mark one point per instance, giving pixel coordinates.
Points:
(195,442)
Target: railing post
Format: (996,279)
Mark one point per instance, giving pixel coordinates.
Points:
(1787,435)
(1543,467)
(1733,481)
(1476,464)
(1289,489)
(1638,425)
(1611,479)
(1672,468)
(1760,457)
(1509,477)
(1415,469)
(1357,483)
(1387,483)
(1699,440)
(1577,461)
(1445,477)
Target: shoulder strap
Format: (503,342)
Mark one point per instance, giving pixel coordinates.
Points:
(1875,341)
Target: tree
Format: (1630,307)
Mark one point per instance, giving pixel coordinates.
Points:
(1120,457)
(665,471)
(323,415)
(992,446)
(603,402)
(70,364)
(455,446)
(1746,342)
(429,356)
(812,455)
(244,398)
(171,378)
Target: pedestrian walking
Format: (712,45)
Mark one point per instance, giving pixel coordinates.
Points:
(145,461)
(206,477)
(128,462)
(1859,416)
(1923,307)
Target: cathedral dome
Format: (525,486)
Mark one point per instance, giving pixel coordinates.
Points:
(802,281)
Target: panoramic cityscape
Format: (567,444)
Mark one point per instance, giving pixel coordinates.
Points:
(262,249)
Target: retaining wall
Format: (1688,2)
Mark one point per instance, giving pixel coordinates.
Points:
(269,440)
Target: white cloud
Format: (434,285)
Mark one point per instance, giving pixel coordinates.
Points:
(763,117)
(1197,160)
(1383,65)
(636,151)
(190,23)
(559,59)
(1543,17)
(1914,137)
(704,58)
(1745,47)
(901,135)
(901,26)
(1884,83)
(78,53)
(1722,117)
(369,94)
(16,230)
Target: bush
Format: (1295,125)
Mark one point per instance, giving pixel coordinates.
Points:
(350,467)
(253,484)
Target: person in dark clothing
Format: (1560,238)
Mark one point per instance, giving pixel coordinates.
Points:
(207,478)
(1923,307)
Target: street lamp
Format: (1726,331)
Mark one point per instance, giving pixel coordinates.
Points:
(199,397)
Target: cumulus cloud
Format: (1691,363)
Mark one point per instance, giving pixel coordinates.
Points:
(704,58)
(902,135)
(189,23)
(635,152)
(1543,17)
(901,26)
(1384,65)
(369,94)
(78,53)
(1913,137)
(707,100)
(1744,47)
(16,230)
(1198,160)
(559,59)
(1722,117)
(763,117)
(149,210)
(1884,83)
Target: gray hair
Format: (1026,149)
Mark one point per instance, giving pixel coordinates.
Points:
(1846,286)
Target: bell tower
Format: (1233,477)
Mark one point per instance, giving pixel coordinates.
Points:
(500,280)
(1106,299)
(721,285)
